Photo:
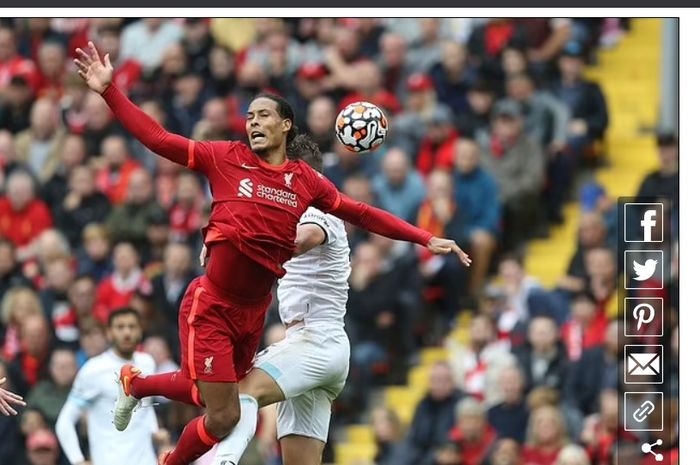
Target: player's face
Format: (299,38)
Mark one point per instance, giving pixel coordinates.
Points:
(266,129)
(125,334)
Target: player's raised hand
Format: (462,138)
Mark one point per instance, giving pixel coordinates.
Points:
(7,398)
(440,246)
(96,74)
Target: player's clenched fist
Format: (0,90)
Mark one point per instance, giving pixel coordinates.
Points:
(97,75)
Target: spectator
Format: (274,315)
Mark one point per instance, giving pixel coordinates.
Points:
(602,431)
(52,69)
(573,455)
(386,426)
(197,42)
(12,64)
(22,216)
(184,108)
(472,432)
(59,275)
(129,221)
(127,71)
(433,418)
(42,448)
(596,371)
(215,123)
(116,290)
(158,33)
(395,63)
(321,122)
(169,286)
(18,304)
(517,163)
(222,78)
(99,125)
(436,150)
(49,395)
(409,127)
(518,286)
(10,274)
(584,99)
(476,193)
(15,103)
(453,77)
(165,180)
(39,146)
(592,234)
(373,308)
(72,104)
(82,299)
(440,215)
(35,343)
(426,50)
(510,417)
(506,452)
(141,154)
(93,341)
(346,164)
(82,205)
(72,155)
(93,258)
(478,366)
(488,41)
(399,188)
(475,121)
(547,436)
(544,38)
(51,245)
(663,184)
(543,359)
(157,233)
(186,213)
(601,271)
(586,328)
(365,79)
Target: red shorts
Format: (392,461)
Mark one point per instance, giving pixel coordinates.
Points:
(219,336)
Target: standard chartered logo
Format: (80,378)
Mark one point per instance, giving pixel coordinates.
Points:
(245,188)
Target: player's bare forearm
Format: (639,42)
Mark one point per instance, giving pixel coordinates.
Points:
(308,236)
(98,76)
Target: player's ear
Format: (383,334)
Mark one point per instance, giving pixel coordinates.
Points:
(286,125)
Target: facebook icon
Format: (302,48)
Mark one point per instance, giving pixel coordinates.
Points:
(643,222)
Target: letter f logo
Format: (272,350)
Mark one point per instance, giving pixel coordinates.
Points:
(648,223)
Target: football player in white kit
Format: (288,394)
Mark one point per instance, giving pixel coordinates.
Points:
(93,391)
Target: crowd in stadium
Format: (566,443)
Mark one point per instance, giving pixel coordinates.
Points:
(491,122)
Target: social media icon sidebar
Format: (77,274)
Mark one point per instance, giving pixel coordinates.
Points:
(642,240)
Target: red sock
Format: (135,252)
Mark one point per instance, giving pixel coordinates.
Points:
(194,442)
(173,385)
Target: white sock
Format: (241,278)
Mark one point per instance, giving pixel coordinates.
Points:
(230,450)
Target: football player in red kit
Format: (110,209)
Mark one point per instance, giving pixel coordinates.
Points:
(258,197)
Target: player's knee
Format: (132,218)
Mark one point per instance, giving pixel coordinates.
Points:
(222,421)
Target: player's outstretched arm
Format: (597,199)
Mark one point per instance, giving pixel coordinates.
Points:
(98,76)
(9,398)
(384,223)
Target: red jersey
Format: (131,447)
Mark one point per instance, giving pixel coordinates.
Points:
(22,227)
(256,206)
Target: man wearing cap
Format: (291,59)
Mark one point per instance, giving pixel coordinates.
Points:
(584,99)
(438,146)
(517,163)
(408,128)
(42,448)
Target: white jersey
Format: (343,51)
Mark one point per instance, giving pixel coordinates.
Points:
(95,391)
(315,288)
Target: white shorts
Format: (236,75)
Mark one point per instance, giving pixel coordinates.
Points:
(310,366)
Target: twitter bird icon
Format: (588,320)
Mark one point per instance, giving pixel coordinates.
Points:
(645,271)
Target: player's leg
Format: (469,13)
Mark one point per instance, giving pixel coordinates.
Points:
(201,434)
(257,390)
(175,385)
(301,450)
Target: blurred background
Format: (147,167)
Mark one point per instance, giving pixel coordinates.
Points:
(512,136)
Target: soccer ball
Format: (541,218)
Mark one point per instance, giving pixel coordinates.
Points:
(361,127)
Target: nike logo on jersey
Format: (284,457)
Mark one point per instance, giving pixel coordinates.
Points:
(248,167)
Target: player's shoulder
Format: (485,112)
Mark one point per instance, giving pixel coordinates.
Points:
(94,365)
(145,362)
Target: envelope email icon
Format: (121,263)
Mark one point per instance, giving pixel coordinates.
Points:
(644,364)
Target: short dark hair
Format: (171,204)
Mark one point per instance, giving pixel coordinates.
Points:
(122,311)
(304,148)
(666,139)
(285,111)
